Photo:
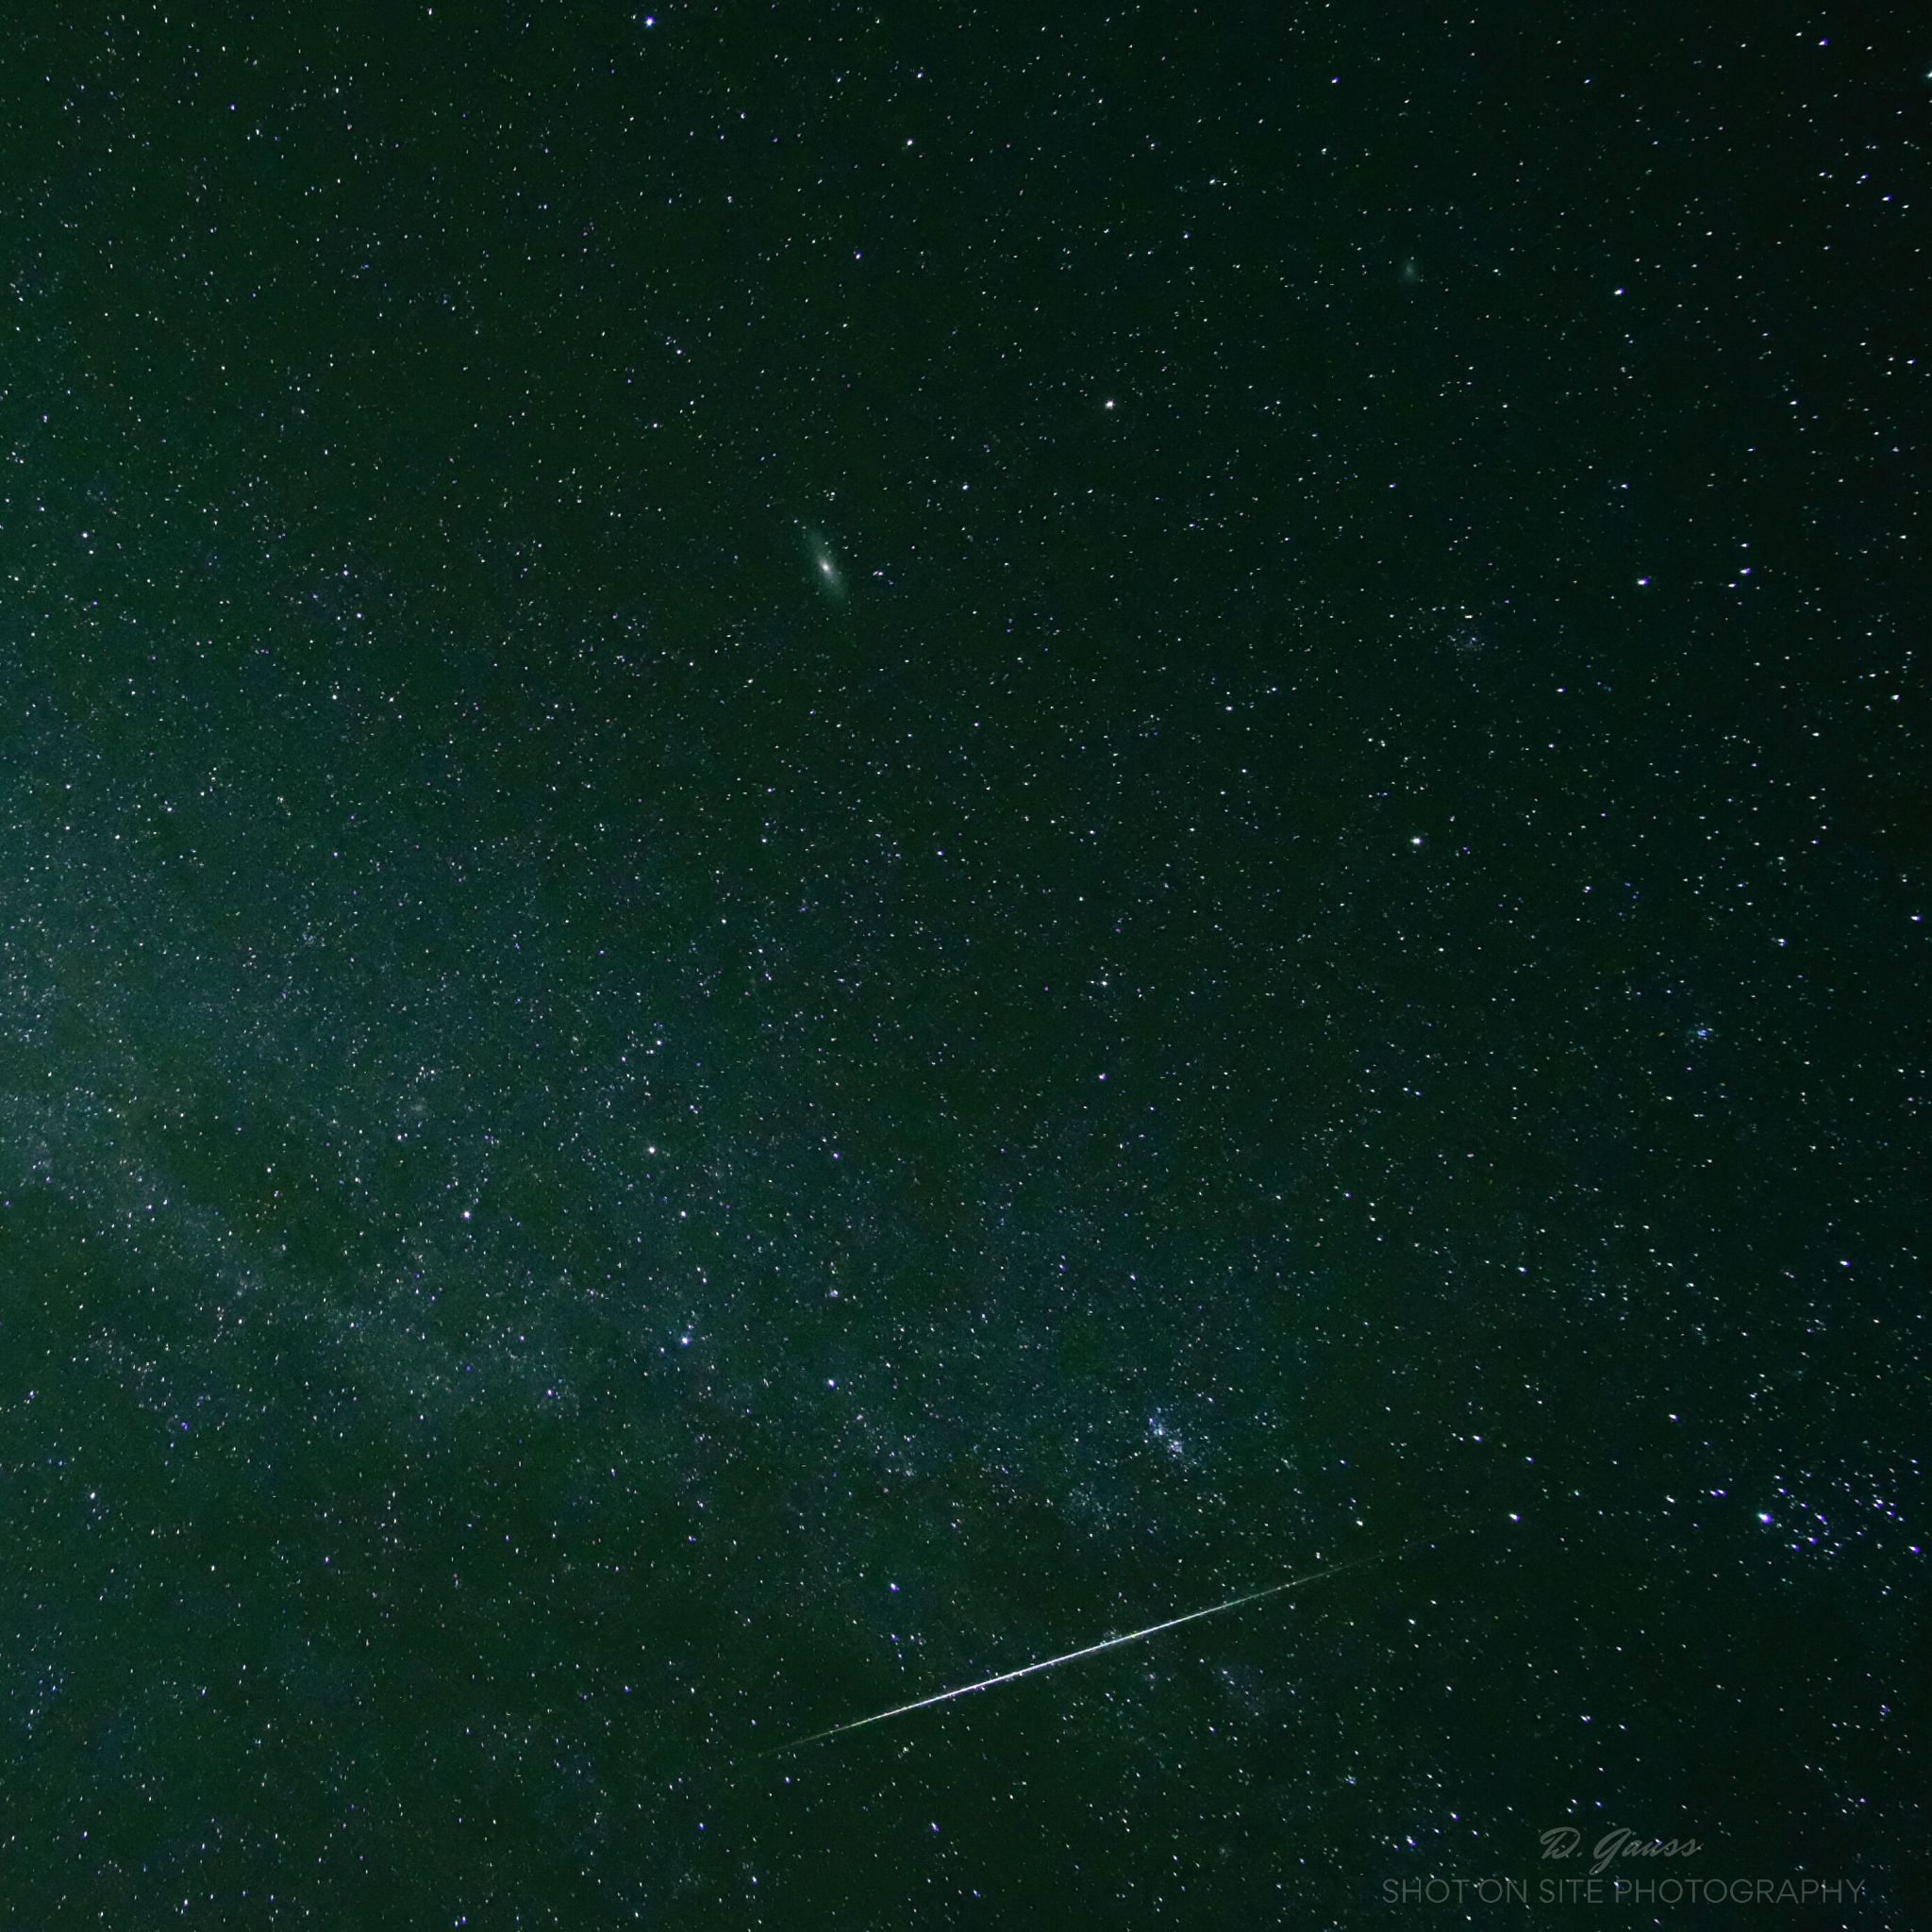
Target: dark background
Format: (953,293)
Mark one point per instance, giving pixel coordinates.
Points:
(840,843)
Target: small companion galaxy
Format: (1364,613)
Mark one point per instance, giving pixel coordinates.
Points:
(962,967)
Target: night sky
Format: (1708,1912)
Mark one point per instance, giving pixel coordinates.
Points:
(837,843)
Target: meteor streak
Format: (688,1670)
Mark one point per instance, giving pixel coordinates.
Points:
(1234,1603)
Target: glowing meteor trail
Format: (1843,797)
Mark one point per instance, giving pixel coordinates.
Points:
(1234,1603)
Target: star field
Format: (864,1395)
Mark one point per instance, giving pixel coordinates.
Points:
(839,844)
